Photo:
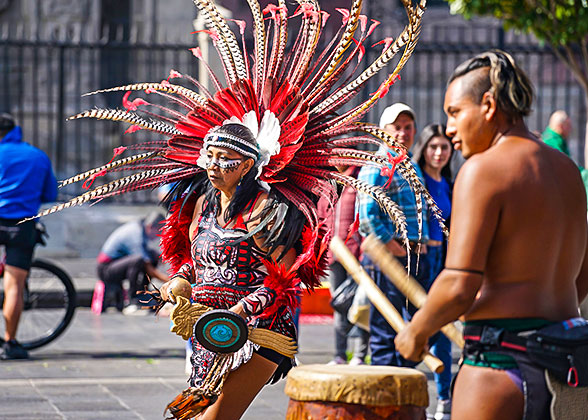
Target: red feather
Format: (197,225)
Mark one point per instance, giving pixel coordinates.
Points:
(278,162)
(175,237)
(292,131)
(227,100)
(189,158)
(317,265)
(285,283)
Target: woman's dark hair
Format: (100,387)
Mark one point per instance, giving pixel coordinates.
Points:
(6,124)
(428,133)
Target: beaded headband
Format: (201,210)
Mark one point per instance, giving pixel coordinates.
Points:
(232,142)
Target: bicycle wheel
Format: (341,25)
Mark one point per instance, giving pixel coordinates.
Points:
(49,305)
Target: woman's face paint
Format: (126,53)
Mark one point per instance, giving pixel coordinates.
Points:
(225,168)
(223,163)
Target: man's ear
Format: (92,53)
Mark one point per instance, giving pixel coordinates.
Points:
(489,105)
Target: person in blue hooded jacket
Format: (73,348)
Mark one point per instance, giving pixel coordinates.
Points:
(26,181)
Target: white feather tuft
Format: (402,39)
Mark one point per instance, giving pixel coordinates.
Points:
(267,139)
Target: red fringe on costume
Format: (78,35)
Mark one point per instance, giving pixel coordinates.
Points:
(285,283)
(311,271)
(175,237)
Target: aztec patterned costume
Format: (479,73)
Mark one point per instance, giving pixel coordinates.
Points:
(222,274)
(291,97)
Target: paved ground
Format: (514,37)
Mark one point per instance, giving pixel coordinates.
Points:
(124,367)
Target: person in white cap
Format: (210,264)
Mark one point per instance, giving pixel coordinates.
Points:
(399,121)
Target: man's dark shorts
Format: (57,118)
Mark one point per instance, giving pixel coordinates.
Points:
(19,242)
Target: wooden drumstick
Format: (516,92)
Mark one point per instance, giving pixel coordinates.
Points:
(407,285)
(376,296)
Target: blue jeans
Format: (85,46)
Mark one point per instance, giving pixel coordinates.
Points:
(381,333)
(442,347)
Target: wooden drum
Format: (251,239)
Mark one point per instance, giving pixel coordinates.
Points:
(338,392)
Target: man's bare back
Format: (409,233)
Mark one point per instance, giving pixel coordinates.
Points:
(517,251)
(536,223)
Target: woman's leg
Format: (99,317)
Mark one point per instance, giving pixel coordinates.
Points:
(240,388)
(485,394)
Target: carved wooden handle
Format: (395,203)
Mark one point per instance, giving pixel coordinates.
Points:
(397,274)
(375,295)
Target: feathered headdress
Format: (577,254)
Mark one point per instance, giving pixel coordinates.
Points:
(290,98)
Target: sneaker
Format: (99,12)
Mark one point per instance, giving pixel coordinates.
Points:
(13,350)
(443,410)
(134,310)
(337,361)
(356,361)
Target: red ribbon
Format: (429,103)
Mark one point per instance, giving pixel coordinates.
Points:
(389,170)
(88,183)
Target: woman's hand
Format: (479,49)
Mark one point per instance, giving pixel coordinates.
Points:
(238,309)
(164,291)
(177,286)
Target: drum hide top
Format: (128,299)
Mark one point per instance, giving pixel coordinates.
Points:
(364,385)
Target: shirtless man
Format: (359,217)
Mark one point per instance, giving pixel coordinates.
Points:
(517,250)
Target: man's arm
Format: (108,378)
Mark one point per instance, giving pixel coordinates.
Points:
(475,215)
(49,193)
(153,272)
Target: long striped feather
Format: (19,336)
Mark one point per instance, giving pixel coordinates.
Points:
(379,195)
(194,97)
(260,45)
(107,167)
(345,40)
(408,173)
(226,42)
(313,24)
(128,117)
(99,192)
(379,64)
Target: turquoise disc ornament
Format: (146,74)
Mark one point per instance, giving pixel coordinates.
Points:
(221,331)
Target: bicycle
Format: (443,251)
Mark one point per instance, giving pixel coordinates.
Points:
(49,301)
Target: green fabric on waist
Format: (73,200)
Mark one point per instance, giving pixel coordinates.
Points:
(497,360)
(493,360)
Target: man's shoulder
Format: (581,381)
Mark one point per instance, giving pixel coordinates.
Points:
(30,151)
(24,153)
(481,169)
(128,229)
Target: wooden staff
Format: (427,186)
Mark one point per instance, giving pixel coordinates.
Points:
(375,295)
(407,285)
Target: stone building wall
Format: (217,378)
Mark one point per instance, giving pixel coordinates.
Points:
(172,21)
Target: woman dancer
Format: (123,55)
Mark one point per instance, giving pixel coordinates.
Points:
(227,267)
(433,152)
